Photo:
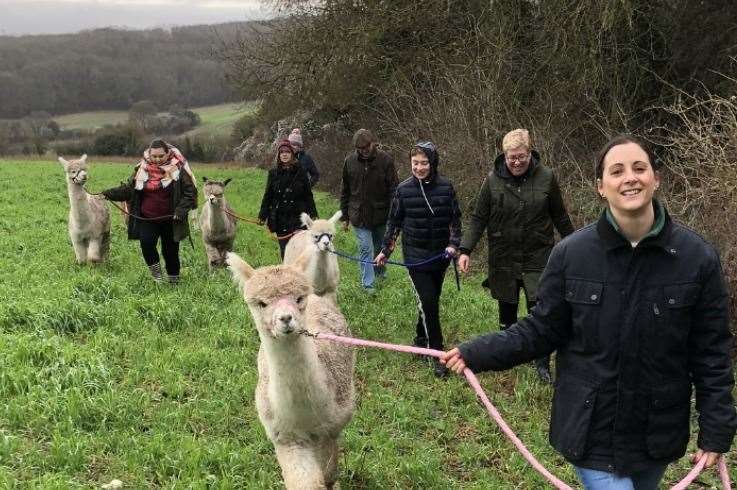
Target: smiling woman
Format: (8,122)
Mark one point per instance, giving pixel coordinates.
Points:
(636,308)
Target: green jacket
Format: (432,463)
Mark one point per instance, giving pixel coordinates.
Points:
(367,188)
(183,198)
(518,215)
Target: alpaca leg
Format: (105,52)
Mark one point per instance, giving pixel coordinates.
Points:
(94,251)
(80,250)
(329,454)
(212,256)
(105,246)
(300,467)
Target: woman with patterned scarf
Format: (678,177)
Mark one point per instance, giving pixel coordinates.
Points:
(159,195)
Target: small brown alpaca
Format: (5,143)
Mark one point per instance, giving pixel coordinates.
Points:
(305,393)
(218,227)
(89,217)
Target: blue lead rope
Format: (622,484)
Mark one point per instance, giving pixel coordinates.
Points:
(434,258)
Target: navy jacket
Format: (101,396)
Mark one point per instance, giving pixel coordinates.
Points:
(635,329)
(429,221)
(308,164)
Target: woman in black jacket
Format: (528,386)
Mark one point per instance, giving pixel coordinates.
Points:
(287,196)
(637,309)
(161,191)
(425,211)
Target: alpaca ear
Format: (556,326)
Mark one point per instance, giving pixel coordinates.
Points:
(83,158)
(302,261)
(63,162)
(306,220)
(204,179)
(334,218)
(241,271)
(226,182)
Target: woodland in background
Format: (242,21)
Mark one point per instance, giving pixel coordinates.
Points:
(463,73)
(109,69)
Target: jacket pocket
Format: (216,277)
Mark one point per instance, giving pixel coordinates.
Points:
(570,418)
(584,298)
(668,421)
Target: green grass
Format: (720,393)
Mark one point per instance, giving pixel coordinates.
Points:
(106,375)
(216,119)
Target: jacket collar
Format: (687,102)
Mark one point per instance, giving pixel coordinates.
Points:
(659,236)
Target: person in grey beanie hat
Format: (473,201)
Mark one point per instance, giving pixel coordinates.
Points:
(304,158)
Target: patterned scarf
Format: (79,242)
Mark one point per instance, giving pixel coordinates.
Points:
(152,175)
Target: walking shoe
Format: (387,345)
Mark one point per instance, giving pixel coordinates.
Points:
(420,342)
(173,279)
(370,291)
(439,369)
(155,271)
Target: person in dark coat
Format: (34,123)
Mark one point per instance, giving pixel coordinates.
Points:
(369,180)
(304,158)
(518,206)
(161,190)
(425,211)
(287,195)
(637,308)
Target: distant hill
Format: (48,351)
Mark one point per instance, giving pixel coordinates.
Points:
(110,69)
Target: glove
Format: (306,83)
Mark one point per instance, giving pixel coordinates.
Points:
(180,214)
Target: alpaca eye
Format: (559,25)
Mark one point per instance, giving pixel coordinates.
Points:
(261,304)
(300,300)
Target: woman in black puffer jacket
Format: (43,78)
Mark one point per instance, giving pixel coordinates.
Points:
(425,211)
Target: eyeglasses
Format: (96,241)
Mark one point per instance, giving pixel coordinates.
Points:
(157,157)
(518,158)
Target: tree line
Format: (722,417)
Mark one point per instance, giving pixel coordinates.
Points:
(112,69)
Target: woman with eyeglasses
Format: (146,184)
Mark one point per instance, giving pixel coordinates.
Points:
(159,195)
(287,195)
(518,206)
(637,309)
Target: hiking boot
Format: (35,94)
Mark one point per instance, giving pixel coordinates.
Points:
(439,369)
(174,280)
(370,291)
(542,366)
(155,270)
(422,343)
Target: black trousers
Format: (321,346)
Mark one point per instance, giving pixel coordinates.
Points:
(149,234)
(428,286)
(283,243)
(508,317)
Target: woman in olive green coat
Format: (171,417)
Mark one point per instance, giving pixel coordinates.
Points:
(518,206)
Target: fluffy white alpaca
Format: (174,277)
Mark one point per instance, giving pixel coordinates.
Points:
(89,217)
(305,393)
(317,244)
(218,227)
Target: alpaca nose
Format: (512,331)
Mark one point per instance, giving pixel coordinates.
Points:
(285,318)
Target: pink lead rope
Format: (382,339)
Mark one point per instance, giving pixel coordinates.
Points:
(494,413)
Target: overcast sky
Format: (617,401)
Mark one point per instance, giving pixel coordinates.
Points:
(63,16)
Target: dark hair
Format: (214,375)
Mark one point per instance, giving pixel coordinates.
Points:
(159,143)
(623,139)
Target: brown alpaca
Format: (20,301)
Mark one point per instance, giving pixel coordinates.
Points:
(218,227)
(89,217)
(305,393)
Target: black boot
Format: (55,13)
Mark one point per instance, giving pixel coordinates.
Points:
(439,369)
(542,366)
(422,343)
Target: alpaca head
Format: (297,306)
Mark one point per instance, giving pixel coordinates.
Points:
(214,190)
(321,231)
(76,170)
(275,295)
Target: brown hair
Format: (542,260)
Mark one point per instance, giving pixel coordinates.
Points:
(623,139)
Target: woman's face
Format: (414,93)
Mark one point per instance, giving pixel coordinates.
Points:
(518,160)
(157,155)
(285,156)
(629,180)
(420,166)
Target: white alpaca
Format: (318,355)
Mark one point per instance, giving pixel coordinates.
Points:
(317,243)
(218,228)
(89,217)
(305,393)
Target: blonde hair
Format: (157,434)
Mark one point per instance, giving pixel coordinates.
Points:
(516,139)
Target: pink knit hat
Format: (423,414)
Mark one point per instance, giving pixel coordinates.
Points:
(295,137)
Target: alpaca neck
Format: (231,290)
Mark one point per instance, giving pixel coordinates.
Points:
(216,216)
(318,270)
(294,376)
(79,205)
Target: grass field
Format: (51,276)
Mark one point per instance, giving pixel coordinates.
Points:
(216,119)
(106,375)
